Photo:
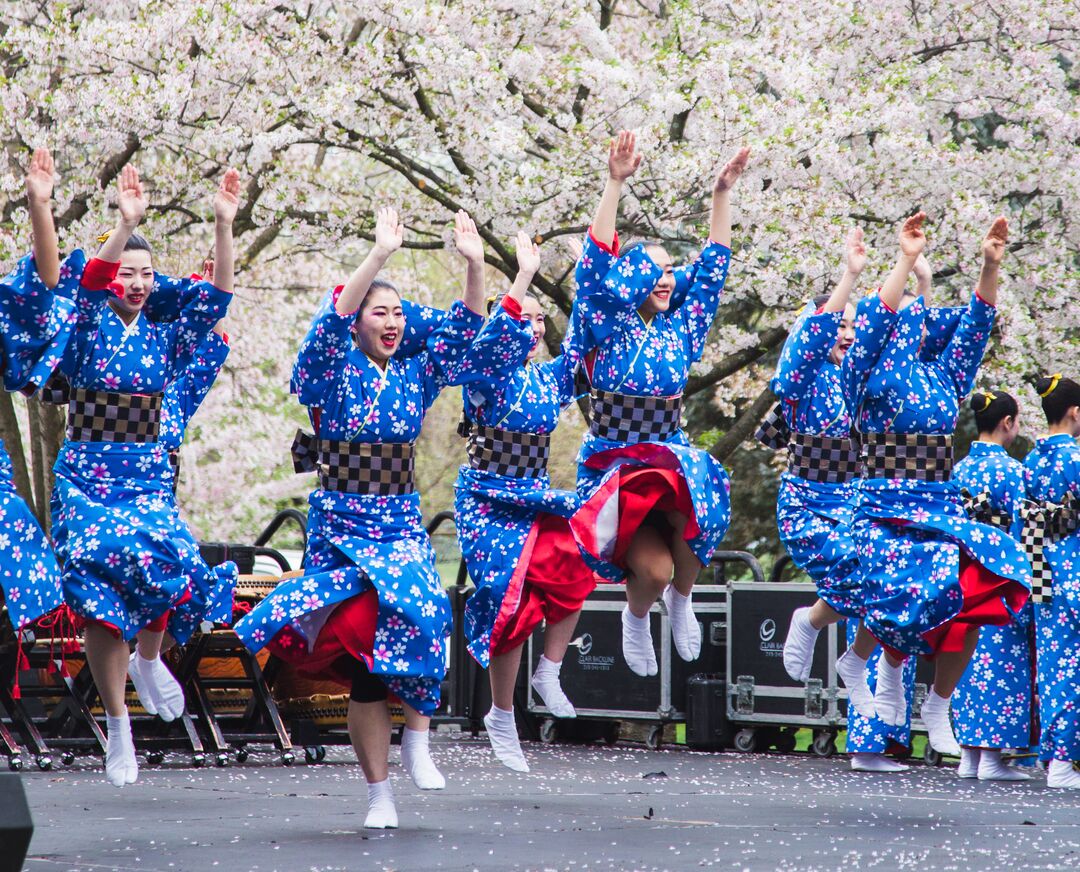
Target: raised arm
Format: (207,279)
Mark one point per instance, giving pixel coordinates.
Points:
(912,243)
(226,203)
(924,277)
(389,233)
(993,250)
(528,259)
(854,263)
(471,247)
(39,188)
(720,215)
(131,202)
(623,161)
(208,274)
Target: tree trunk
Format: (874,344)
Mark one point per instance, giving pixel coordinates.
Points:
(744,426)
(37,460)
(53,423)
(9,432)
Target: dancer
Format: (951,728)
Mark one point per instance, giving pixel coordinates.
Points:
(37,316)
(992,703)
(930,577)
(372,613)
(655,508)
(513,528)
(819,484)
(130,564)
(1052,483)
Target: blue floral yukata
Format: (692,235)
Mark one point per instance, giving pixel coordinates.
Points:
(811,515)
(623,483)
(514,533)
(873,735)
(367,548)
(1051,472)
(927,571)
(991,705)
(187,392)
(128,558)
(36,324)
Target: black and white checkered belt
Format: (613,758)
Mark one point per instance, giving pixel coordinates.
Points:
(363,468)
(630,419)
(103,416)
(508,452)
(822,459)
(1044,523)
(979,508)
(917,456)
(174,462)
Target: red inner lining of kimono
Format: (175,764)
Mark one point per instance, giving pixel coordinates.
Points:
(550,582)
(646,490)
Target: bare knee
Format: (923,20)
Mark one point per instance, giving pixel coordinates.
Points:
(649,560)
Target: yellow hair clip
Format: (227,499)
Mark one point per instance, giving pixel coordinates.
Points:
(1054,379)
(989,398)
(104,237)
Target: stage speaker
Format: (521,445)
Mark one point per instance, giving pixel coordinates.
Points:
(16,827)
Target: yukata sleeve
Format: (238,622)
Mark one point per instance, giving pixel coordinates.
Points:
(605,305)
(698,312)
(501,347)
(805,351)
(199,377)
(595,261)
(89,285)
(447,349)
(202,307)
(1013,490)
(963,355)
(320,363)
(874,325)
(420,323)
(565,366)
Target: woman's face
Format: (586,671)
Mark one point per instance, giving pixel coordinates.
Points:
(136,274)
(379,326)
(530,311)
(845,336)
(660,298)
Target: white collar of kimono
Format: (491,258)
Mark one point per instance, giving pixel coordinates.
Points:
(384,378)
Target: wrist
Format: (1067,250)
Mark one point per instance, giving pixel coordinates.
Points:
(38,200)
(382,252)
(222,222)
(127,225)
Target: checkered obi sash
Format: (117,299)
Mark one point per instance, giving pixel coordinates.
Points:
(103,416)
(979,508)
(823,459)
(1044,523)
(174,462)
(913,456)
(365,468)
(629,419)
(508,452)
(773,432)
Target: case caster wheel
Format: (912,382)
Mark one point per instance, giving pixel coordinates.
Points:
(611,735)
(655,739)
(242,755)
(198,760)
(222,759)
(155,758)
(314,753)
(548,731)
(15,764)
(931,757)
(67,758)
(746,740)
(44,762)
(288,758)
(824,745)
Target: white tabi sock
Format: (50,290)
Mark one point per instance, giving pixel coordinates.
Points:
(991,768)
(381,811)
(502,733)
(121,767)
(144,687)
(545,681)
(969,762)
(1061,773)
(889,698)
(935,714)
(637,644)
(875,763)
(416,758)
(852,671)
(685,629)
(799,645)
(163,688)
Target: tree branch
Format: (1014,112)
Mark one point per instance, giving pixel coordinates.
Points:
(108,172)
(725,446)
(734,362)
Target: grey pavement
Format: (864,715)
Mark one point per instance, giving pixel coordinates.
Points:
(581,808)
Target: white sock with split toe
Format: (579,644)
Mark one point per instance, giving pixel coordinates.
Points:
(121,767)
(545,681)
(889,698)
(685,629)
(502,733)
(935,714)
(991,768)
(416,758)
(158,682)
(144,687)
(852,671)
(969,762)
(381,811)
(1062,773)
(799,645)
(637,644)
(875,763)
